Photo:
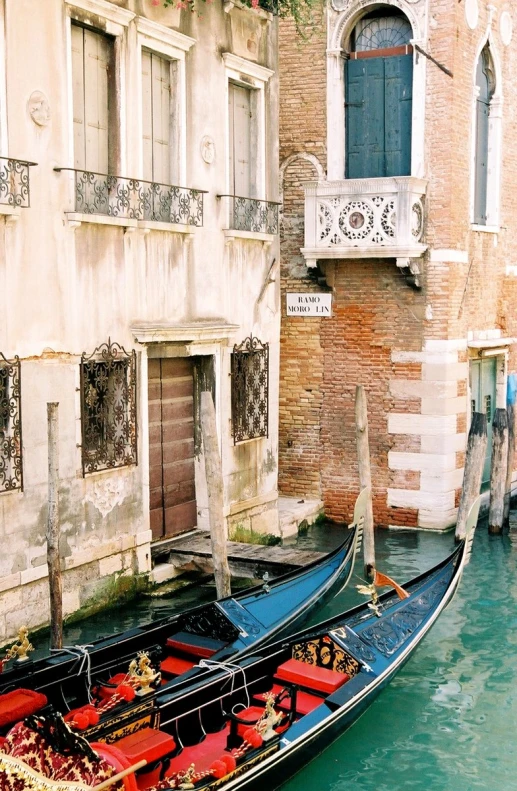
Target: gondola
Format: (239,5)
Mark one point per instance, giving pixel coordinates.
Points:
(218,631)
(251,724)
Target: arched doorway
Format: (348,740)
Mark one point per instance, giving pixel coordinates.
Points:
(379,94)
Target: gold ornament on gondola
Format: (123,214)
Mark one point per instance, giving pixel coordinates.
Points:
(141,671)
(19,650)
(371,591)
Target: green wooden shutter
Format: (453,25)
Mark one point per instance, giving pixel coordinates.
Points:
(365,118)
(378,116)
(398,102)
(240,140)
(481,157)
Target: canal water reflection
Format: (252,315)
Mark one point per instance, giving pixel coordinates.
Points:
(448,720)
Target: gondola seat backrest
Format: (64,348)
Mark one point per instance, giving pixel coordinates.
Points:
(324,652)
(313,677)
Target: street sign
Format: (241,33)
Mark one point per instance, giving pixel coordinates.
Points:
(309,304)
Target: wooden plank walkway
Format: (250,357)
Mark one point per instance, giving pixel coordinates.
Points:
(245,560)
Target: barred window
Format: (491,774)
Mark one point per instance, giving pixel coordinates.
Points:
(11,473)
(250,389)
(108,408)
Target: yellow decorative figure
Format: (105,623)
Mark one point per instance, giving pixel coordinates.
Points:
(20,649)
(140,670)
(187,777)
(270,718)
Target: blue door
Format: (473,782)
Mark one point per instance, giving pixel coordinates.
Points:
(378,116)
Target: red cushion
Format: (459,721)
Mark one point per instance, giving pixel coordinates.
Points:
(305,702)
(174,666)
(311,676)
(146,744)
(118,761)
(18,704)
(203,651)
(107,692)
(252,714)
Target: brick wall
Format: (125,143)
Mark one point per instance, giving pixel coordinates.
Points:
(381,329)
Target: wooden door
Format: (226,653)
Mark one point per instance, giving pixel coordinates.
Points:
(171,447)
(378,116)
(483,394)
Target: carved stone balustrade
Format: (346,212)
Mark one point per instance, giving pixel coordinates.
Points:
(365,218)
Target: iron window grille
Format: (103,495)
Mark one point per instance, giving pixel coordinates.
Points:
(253,215)
(135,199)
(250,389)
(11,470)
(15,182)
(108,408)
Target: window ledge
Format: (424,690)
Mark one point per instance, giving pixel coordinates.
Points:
(76,218)
(267,238)
(484,228)
(10,212)
(151,225)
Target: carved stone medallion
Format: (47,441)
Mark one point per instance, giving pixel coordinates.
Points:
(208,149)
(39,108)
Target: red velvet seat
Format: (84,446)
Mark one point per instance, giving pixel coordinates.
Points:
(146,744)
(203,647)
(175,666)
(18,704)
(118,761)
(252,714)
(202,755)
(305,702)
(320,679)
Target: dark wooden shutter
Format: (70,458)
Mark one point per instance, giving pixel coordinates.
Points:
(365,118)
(378,116)
(398,103)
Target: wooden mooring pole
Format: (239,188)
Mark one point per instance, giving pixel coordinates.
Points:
(473,473)
(365,477)
(510,409)
(214,483)
(54,565)
(498,471)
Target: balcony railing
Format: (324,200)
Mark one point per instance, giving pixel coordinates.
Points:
(252,215)
(15,182)
(364,218)
(135,199)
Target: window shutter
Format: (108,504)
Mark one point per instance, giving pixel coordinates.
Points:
(156,112)
(147,117)
(481,158)
(240,140)
(161,72)
(96,64)
(365,118)
(398,100)
(78,95)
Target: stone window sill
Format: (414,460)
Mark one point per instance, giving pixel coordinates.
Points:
(76,218)
(267,238)
(484,228)
(11,213)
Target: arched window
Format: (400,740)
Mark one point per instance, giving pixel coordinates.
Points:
(379,93)
(485,84)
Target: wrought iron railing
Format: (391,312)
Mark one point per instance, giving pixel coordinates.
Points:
(250,389)
(11,470)
(135,199)
(108,408)
(250,214)
(15,182)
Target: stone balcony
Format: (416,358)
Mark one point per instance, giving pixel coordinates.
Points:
(365,218)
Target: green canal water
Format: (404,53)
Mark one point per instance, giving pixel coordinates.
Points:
(448,722)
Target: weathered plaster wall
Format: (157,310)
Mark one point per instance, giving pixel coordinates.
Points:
(72,284)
